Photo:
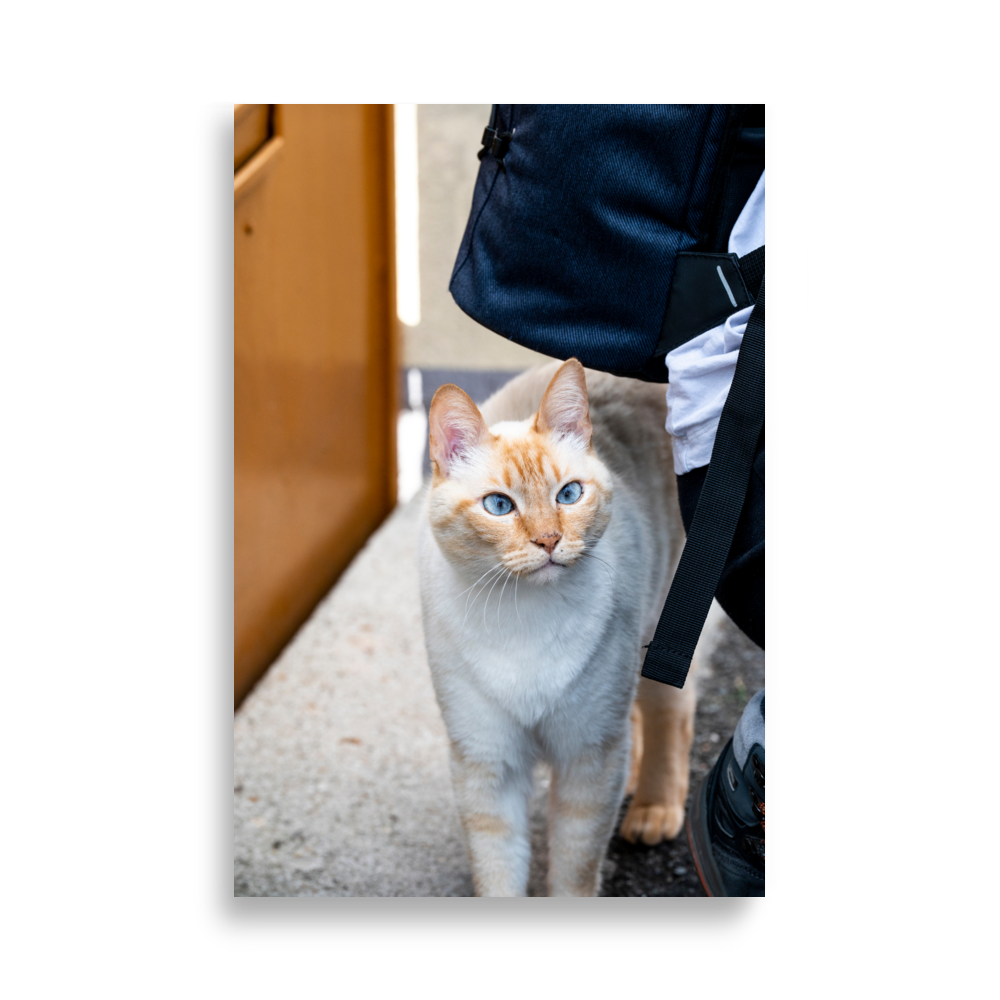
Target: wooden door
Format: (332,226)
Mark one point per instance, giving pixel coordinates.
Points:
(315,359)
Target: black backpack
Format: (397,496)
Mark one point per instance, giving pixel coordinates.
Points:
(599,231)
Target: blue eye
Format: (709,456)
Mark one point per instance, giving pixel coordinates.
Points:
(498,504)
(570,493)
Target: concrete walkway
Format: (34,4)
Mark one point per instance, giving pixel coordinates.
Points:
(341,772)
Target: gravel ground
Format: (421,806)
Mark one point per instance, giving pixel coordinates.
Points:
(731,677)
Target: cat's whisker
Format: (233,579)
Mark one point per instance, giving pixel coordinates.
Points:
(604,562)
(607,569)
(594,555)
(487,604)
(467,589)
(500,602)
(492,569)
(496,568)
(517,576)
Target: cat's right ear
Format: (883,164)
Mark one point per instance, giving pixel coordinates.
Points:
(456,428)
(564,411)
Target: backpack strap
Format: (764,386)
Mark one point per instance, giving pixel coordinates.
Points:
(752,269)
(705,290)
(495,142)
(668,656)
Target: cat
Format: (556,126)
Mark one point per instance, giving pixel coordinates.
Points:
(563,483)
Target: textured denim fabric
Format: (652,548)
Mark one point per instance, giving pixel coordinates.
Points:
(741,586)
(570,244)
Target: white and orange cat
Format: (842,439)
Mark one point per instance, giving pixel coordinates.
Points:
(551,533)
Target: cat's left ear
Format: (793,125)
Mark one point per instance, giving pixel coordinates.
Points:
(565,411)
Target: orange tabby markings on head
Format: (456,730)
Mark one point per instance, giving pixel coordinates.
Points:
(531,466)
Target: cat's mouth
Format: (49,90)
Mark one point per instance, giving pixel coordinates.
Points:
(547,570)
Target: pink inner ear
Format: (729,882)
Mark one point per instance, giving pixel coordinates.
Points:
(564,409)
(458,439)
(456,427)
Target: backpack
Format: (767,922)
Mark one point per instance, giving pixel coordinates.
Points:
(599,231)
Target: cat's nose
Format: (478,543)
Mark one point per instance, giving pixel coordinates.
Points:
(547,542)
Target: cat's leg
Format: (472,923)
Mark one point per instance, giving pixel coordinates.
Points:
(633,773)
(657,809)
(492,798)
(583,805)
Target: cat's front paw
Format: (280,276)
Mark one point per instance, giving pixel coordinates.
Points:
(652,823)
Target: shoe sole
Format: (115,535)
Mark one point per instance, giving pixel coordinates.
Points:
(701,851)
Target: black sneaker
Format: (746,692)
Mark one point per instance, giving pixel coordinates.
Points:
(726,826)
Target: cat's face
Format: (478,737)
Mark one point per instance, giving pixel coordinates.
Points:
(530,495)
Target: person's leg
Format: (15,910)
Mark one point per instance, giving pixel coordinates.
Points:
(726,823)
(750,729)
(741,586)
